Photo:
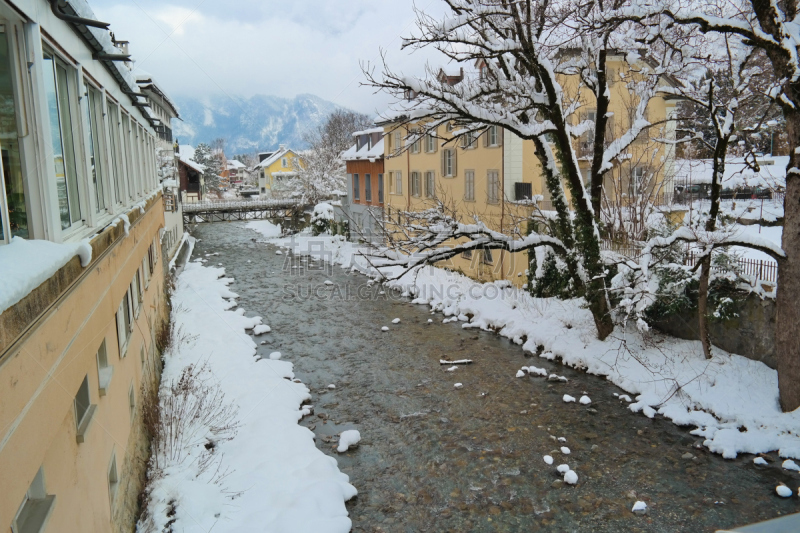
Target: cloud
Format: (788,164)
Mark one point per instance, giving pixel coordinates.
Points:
(283,48)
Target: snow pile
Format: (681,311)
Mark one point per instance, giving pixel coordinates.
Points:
(261,328)
(585,400)
(570,477)
(639,507)
(322,212)
(348,439)
(568,399)
(731,400)
(265,228)
(277,479)
(26,264)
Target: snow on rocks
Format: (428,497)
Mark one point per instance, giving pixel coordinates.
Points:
(568,399)
(639,508)
(570,477)
(385,328)
(585,400)
(521,373)
(458,385)
(783,491)
(331,386)
(565,450)
(278,252)
(275,356)
(282,480)
(261,329)
(328,282)
(566,332)
(760,461)
(348,439)
(788,464)
(396,321)
(556,377)
(563,469)
(534,371)
(548,459)
(451,369)
(265,228)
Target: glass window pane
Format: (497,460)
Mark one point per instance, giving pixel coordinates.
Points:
(116,166)
(94,116)
(9,145)
(126,143)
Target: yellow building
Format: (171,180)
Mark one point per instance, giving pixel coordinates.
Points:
(494,176)
(78,330)
(276,169)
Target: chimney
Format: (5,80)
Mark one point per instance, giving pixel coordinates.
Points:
(281,147)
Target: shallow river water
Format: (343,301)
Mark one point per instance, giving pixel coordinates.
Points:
(439,459)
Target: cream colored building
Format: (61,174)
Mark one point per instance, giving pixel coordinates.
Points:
(493,176)
(78,336)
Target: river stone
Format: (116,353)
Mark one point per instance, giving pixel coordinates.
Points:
(557,484)
(687,455)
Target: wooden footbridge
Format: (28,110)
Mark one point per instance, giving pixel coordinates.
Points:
(227,210)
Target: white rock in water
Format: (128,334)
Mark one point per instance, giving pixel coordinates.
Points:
(639,507)
(328,282)
(396,321)
(347,439)
(452,368)
(429,321)
(275,355)
(521,374)
(458,385)
(385,328)
(278,252)
(571,477)
(565,450)
(568,399)
(548,459)
(625,397)
(562,469)
(331,386)
(562,439)
(585,400)
(759,461)
(783,491)
(788,464)
(261,329)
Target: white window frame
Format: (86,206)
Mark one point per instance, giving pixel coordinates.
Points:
(469,185)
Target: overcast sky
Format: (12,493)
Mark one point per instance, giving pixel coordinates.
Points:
(277,47)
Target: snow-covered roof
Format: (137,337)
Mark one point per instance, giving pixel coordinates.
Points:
(233,163)
(365,153)
(772,172)
(274,157)
(376,129)
(186,156)
(147,81)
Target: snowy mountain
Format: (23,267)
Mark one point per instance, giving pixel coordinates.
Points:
(249,124)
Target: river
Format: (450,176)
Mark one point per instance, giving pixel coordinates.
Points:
(436,458)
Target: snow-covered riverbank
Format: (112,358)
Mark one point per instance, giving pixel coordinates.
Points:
(270,476)
(732,401)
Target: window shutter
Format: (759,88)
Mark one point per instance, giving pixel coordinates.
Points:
(485,136)
(435,145)
(455,171)
(444,162)
(122,331)
(499,136)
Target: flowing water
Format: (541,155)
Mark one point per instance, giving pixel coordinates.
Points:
(436,458)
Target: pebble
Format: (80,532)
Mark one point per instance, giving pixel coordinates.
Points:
(783,491)
(687,455)
(458,385)
(565,450)
(557,484)
(639,508)
(384,328)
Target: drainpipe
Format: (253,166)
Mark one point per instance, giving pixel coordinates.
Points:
(503,199)
(408,176)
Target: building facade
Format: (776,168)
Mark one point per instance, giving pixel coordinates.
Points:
(275,170)
(82,263)
(362,207)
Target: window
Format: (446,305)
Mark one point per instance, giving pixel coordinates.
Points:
(493,192)
(368,187)
(284,162)
(93,115)
(398,182)
(59,91)
(356,188)
(468,141)
(126,144)
(146,268)
(132,401)
(430,143)
(469,185)
(136,295)
(380,188)
(492,136)
(486,257)
(415,147)
(35,509)
(116,166)
(398,140)
(113,480)
(124,322)
(13,209)
(430,185)
(466,254)
(154,247)
(449,162)
(84,410)
(415,189)
(104,371)
(637,181)
(523,191)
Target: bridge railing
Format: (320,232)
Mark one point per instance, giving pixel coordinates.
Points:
(243,205)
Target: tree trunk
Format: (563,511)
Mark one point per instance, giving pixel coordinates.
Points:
(702,305)
(787,320)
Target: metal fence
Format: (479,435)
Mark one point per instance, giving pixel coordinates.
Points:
(758,269)
(206,205)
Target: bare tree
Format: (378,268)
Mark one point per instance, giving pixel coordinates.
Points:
(526,50)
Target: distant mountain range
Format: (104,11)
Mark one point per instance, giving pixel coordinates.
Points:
(253,124)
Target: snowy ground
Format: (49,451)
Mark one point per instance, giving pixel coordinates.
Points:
(270,476)
(730,400)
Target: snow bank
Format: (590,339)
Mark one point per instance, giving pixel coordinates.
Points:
(26,264)
(265,228)
(348,439)
(730,400)
(285,482)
